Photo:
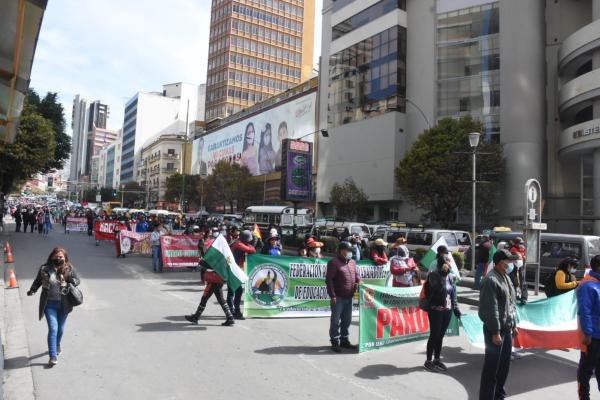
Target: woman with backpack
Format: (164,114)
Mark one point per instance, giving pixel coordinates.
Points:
(440,302)
(563,279)
(56,277)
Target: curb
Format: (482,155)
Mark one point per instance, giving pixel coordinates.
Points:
(17,379)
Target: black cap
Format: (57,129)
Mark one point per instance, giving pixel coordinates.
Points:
(442,250)
(344,246)
(504,254)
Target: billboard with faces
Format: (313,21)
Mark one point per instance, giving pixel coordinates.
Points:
(255,141)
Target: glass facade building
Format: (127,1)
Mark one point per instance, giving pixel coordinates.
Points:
(364,17)
(468,66)
(368,78)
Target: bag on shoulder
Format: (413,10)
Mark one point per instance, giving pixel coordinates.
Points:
(74,295)
(423,299)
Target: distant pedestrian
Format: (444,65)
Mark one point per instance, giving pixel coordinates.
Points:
(48,221)
(482,258)
(441,295)
(497,310)
(588,305)
(379,252)
(240,250)
(18,219)
(342,282)
(313,248)
(54,277)
(521,287)
(156,251)
(40,216)
(399,244)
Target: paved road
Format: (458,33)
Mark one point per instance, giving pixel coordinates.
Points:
(129,341)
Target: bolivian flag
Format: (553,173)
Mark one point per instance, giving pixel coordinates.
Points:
(220,258)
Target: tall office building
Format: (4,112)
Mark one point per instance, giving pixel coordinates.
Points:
(152,113)
(528,70)
(257,48)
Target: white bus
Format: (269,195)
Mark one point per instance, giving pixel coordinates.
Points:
(280,216)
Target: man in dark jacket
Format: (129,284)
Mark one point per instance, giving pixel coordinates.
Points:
(18,219)
(497,310)
(240,249)
(342,281)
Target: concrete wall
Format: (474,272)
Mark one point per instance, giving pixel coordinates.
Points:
(522,119)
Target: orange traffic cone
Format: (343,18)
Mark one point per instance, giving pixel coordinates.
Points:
(9,257)
(12,282)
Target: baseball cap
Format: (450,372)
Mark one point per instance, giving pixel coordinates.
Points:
(344,246)
(504,254)
(442,250)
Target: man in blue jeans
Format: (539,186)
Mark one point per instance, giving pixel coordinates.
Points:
(342,281)
(156,255)
(497,310)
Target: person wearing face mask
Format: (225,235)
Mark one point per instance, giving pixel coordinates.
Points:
(54,277)
(564,277)
(313,248)
(518,247)
(441,294)
(342,282)
(378,252)
(240,250)
(497,310)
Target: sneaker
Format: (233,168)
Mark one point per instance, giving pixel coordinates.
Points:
(430,366)
(228,322)
(239,316)
(345,344)
(440,366)
(335,347)
(192,319)
(53,361)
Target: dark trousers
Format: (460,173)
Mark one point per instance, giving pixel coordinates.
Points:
(25,225)
(40,228)
(589,363)
(438,325)
(32,225)
(234,299)
(495,366)
(341,318)
(18,226)
(522,284)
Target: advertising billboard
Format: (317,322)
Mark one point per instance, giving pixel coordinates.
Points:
(296,174)
(255,142)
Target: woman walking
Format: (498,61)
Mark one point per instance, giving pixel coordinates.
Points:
(441,295)
(54,277)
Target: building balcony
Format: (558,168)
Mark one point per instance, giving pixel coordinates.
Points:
(154,172)
(169,170)
(167,156)
(583,88)
(579,43)
(580,138)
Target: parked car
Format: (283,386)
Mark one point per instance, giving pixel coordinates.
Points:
(555,247)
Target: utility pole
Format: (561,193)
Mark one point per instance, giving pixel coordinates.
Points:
(187,115)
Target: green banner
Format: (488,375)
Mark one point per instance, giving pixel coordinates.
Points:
(390,316)
(281,286)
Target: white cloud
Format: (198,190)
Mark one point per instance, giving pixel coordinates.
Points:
(111,49)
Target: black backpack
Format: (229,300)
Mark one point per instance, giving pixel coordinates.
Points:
(550,285)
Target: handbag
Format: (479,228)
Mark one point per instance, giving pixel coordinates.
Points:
(424,300)
(74,295)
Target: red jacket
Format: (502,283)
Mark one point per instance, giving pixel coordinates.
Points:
(342,278)
(239,250)
(377,259)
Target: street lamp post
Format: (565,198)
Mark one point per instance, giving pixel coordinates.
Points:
(474,142)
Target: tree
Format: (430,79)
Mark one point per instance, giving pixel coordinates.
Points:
(107,194)
(134,193)
(435,174)
(230,184)
(348,199)
(192,188)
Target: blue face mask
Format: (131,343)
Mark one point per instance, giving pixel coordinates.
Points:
(509,268)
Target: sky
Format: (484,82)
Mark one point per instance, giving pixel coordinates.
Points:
(111,49)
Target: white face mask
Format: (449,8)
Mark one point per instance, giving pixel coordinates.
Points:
(349,256)
(318,250)
(573,270)
(519,263)
(215,234)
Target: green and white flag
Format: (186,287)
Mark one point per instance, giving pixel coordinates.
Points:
(220,258)
(428,260)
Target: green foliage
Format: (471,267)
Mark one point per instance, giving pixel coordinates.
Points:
(436,179)
(459,259)
(330,244)
(192,188)
(134,194)
(231,184)
(348,199)
(108,194)
(41,143)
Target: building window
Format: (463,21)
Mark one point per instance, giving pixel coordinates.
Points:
(368,78)
(364,17)
(468,66)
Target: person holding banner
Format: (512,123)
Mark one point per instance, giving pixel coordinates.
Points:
(342,282)
(440,290)
(497,310)
(240,250)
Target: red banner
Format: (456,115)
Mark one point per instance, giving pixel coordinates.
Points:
(105,230)
(179,251)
